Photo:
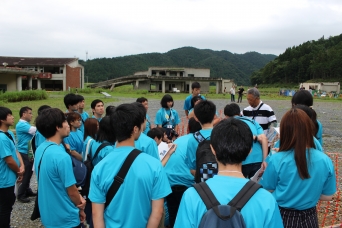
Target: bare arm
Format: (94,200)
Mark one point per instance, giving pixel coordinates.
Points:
(168,154)
(156,214)
(186,113)
(325,198)
(74,195)
(262,139)
(177,128)
(193,172)
(12,164)
(76,155)
(98,211)
(192,114)
(216,120)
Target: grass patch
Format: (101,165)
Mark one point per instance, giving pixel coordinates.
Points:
(27,95)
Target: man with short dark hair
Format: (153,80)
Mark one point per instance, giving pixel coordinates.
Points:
(240,92)
(97,107)
(255,159)
(11,166)
(59,201)
(205,112)
(195,91)
(25,133)
(230,148)
(140,198)
(144,102)
(71,102)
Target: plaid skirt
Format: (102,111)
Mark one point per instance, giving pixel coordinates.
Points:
(299,218)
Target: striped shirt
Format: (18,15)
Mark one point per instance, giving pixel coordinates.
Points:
(263,115)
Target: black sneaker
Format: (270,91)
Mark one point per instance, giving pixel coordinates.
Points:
(30,193)
(24,200)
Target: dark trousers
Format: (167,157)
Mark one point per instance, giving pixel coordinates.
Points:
(250,169)
(240,98)
(7,199)
(88,212)
(173,201)
(299,218)
(232,97)
(25,184)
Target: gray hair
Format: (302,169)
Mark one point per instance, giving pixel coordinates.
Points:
(254,92)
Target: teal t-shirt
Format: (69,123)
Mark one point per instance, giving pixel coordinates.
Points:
(102,153)
(290,191)
(7,176)
(75,141)
(144,182)
(166,117)
(176,169)
(39,139)
(22,131)
(192,147)
(256,154)
(187,102)
(319,134)
(84,116)
(148,124)
(98,119)
(260,211)
(147,145)
(55,176)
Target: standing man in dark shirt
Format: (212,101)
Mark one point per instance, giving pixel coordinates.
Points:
(240,91)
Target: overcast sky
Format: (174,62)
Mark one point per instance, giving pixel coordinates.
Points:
(111,28)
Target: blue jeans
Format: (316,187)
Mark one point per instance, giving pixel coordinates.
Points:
(7,199)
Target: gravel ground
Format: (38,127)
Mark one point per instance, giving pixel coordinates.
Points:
(329,113)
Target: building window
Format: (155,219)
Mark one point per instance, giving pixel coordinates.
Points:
(3,88)
(191,75)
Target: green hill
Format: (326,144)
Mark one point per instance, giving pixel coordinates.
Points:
(221,63)
(319,60)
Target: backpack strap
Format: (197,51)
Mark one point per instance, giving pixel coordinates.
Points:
(206,195)
(243,196)
(209,199)
(120,177)
(257,111)
(103,145)
(199,137)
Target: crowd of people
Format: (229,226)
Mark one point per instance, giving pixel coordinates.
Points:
(142,172)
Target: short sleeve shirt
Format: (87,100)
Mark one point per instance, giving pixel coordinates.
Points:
(144,182)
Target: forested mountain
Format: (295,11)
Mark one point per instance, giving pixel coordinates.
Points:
(312,60)
(221,63)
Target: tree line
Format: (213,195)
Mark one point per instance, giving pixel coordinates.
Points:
(319,60)
(222,64)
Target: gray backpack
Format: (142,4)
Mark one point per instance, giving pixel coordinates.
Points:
(225,215)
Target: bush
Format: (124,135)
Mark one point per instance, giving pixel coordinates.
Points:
(27,95)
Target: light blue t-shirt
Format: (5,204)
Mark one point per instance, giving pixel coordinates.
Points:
(55,176)
(256,154)
(164,117)
(318,146)
(148,124)
(102,153)
(260,211)
(187,102)
(7,176)
(98,119)
(147,145)
(75,141)
(192,147)
(319,134)
(84,116)
(176,169)
(144,182)
(39,139)
(22,131)
(290,191)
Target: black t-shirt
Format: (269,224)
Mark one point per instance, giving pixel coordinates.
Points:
(241,90)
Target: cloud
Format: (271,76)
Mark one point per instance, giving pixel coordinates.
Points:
(116,28)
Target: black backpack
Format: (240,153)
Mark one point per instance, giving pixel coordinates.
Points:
(206,165)
(225,215)
(89,164)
